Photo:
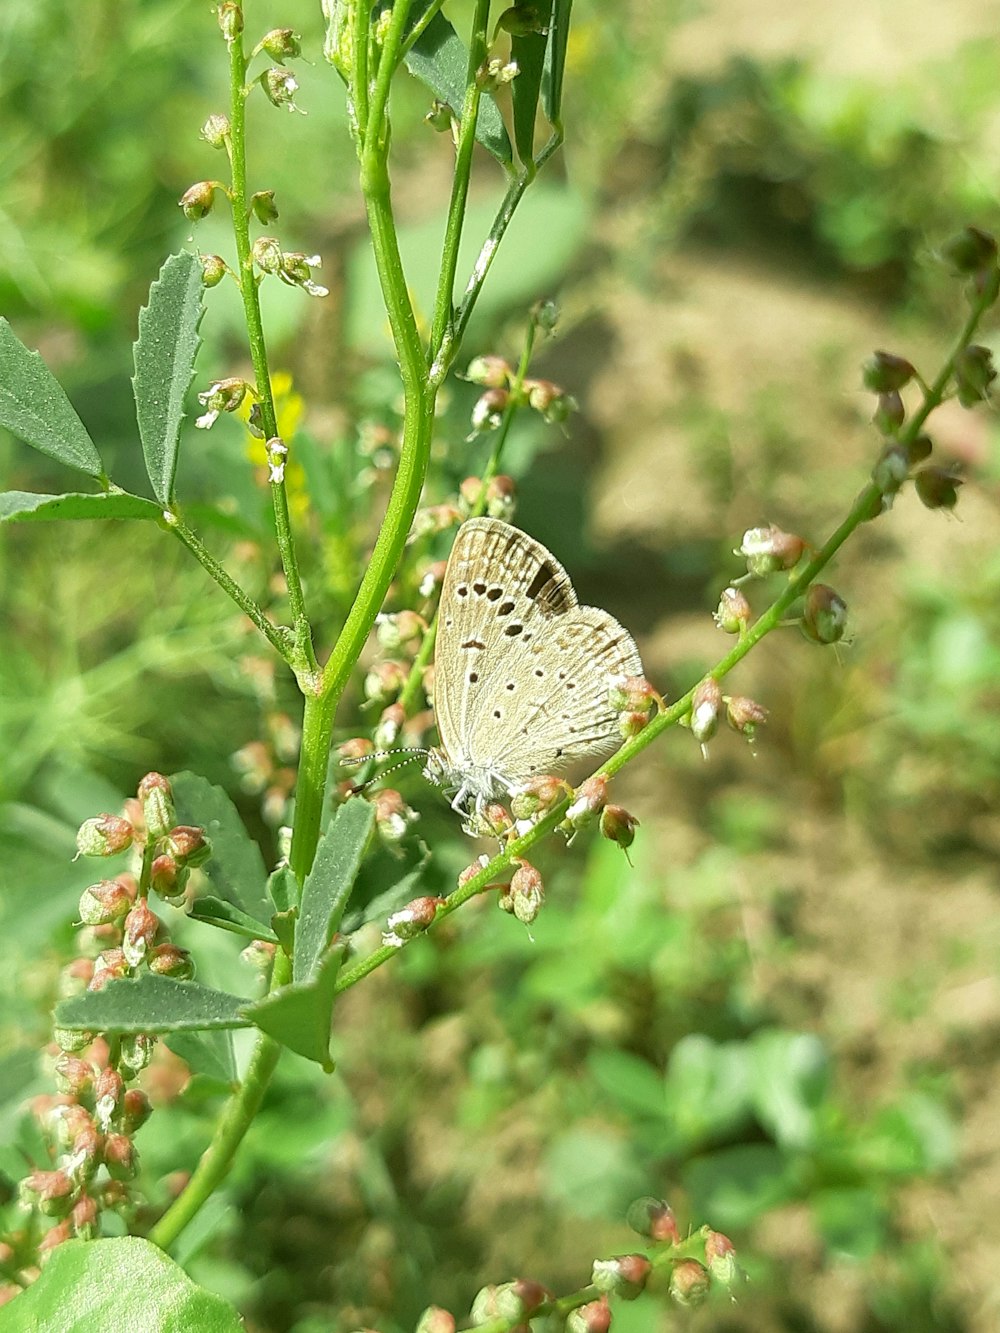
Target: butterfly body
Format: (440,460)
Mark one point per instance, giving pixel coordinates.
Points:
(522,671)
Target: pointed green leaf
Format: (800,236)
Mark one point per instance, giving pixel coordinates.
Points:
(217,912)
(148,1003)
(236,867)
(283,925)
(26,506)
(208,1052)
(118,1286)
(329,883)
(439,58)
(283,888)
(529,52)
(164,355)
(34,407)
(298,1016)
(555,61)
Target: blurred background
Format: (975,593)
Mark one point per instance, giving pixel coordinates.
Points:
(784,1016)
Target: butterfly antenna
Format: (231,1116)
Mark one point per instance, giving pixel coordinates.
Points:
(411,754)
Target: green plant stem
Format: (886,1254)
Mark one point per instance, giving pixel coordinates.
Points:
(255,334)
(420,27)
(442,341)
(376,141)
(274,635)
(230,1130)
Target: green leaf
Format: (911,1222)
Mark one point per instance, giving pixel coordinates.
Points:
(283,889)
(298,1016)
(555,61)
(439,58)
(217,912)
(208,1053)
(329,883)
(631,1082)
(148,1003)
(236,867)
(117,1286)
(34,407)
(26,506)
(283,925)
(791,1075)
(164,355)
(529,51)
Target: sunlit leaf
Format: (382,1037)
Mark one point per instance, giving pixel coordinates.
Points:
(148,1003)
(27,506)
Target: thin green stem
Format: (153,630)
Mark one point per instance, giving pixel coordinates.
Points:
(255,334)
(230,1130)
(360,37)
(419,28)
(442,342)
(275,635)
(377,131)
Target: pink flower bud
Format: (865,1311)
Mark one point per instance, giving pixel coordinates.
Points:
(538,795)
(83,1218)
(390,724)
(104,836)
(75,1076)
(632,694)
(492,372)
(167,878)
(392,815)
(594,1317)
(617,825)
(120,1157)
(51,1192)
(436,1320)
(524,894)
(136,1110)
(705,707)
(488,410)
(630,724)
(501,497)
(720,1256)
(689,1282)
(358,747)
(432,577)
(653,1218)
(109,966)
(109,1089)
(769,549)
(745,715)
(385,680)
(198,200)
(104,903)
(624,1276)
(470,872)
(733,614)
(167,960)
(188,846)
(824,616)
(589,800)
(410,921)
(142,926)
(157,804)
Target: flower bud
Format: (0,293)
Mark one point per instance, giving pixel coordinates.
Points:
(617,825)
(105,903)
(631,694)
(230,19)
(70,1041)
(538,796)
(919,449)
(142,926)
(974,373)
(53,1238)
(392,815)
(213,269)
(167,878)
(733,613)
(136,1110)
(104,836)
(263,207)
(136,1050)
(168,960)
(120,1157)
(524,895)
(501,497)
(552,401)
(588,801)
(436,1320)
(216,131)
(410,921)
(484,1305)
(188,846)
(630,724)
(435,518)
(892,469)
(108,966)
(824,617)
(469,492)
(653,1218)
(198,200)
(937,487)
(745,715)
(296,271)
(970,251)
(75,977)
(109,1090)
(594,1317)
(883,372)
(355,749)
(74,1076)
(518,1301)
(266,252)
(385,680)
(440,117)
(390,724)
(488,410)
(470,872)
(720,1256)
(889,413)
(259,955)
(492,372)
(432,577)
(51,1192)
(705,708)
(494,73)
(689,1282)
(403,630)
(221,396)
(83,1218)
(769,549)
(281,44)
(157,804)
(624,1276)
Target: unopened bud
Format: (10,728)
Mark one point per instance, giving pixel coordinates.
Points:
(537,796)
(937,487)
(216,131)
(83,1218)
(281,44)
(168,960)
(74,1076)
(889,413)
(501,497)
(53,1238)
(410,921)
(494,73)
(892,469)
(594,1317)
(769,549)
(385,680)
(440,117)
(392,815)
(588,801)
(824,617)
(104,836)
(436,1320)
(489,409)
(142,926)
(630,724)
(213,269)
(733,613)
(230,19)
(970,251)
(280,86)
(189,847)
(484,1305)
(617,825)
(221,396)
(157,804)
(390,724)
(884,372)
(974,373)
(470,872)
(631,694)
(624,1276)
(108,966)
(198,200)
(720,1256)
(51,1192)
(432,577)
(263,207)
(653,1218)
(552,401)
(105,903)
(492,372)
(109,1090)
(518,1301)
(690,1282)
(259,955)
(399,631)
(120,1157)
(70,1041)
(167,878)
(266,252)
(492,821)
(706,705)
(524,895)
(919,449)
(136,1110)
(745,715)
(137,1050)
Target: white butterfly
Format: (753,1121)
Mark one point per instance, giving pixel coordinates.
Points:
(521,670)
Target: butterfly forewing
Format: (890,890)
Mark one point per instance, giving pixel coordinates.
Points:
(521,670)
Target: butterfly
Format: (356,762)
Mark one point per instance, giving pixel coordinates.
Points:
(521,670)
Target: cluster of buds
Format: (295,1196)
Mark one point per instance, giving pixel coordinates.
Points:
(497,501)
(631,697)
(744,715)
(393,816)
(499,381)
(693,1264)
(524,895)
(292,266)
